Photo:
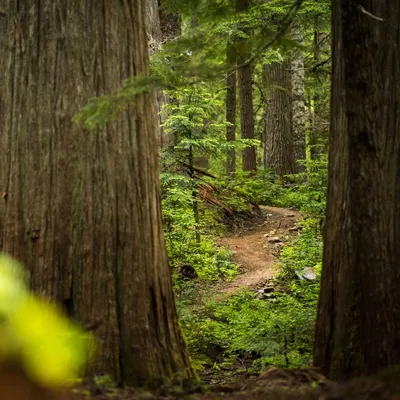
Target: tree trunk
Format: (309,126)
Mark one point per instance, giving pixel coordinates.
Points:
(278,149)
(153,26)
(161,27)
(196,215)
(170,29)
(320,113)
(231,107)
(155,42)
(299,116)
(245,83)
(358,321)
(82,209)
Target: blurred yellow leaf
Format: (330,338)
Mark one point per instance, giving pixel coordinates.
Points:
(52,348)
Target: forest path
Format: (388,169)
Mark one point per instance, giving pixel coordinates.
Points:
(256,251)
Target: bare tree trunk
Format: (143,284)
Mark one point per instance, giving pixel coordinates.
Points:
(154,41)
(278,149)
(170,25)
(196,215)
(245,83)
(82,209)
(358,321)
(161,27)
(299,115)
(153,26)
(231,107)
(320,113)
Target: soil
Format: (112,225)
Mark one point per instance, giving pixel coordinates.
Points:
(256,250)
(274,384)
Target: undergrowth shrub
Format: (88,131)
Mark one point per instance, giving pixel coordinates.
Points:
(260,188)
(309,191)
(245,329)
(277,332)
(305,251)
(209,260)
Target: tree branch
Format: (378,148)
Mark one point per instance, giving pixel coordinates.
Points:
(286,22)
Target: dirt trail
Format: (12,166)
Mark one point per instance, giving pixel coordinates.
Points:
(255,251)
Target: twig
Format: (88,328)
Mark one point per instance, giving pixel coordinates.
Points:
(364,11)
(263,98)
(286,22)
(320,64)
(199,171)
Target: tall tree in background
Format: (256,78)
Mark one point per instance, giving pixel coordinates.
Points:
(245,83)
(162,27)
(153,26)
(320,102)
(231,106)
(82,209)
(298,101)
(358,317)
(278,145)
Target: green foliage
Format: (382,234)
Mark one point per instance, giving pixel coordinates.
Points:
(278,331)
(260,188)
(199,55)
(309,190)
(304,252)
(107,385)
(194,123)
(209,260)
(275,332)
(195,129)
(101,110)
(192,71)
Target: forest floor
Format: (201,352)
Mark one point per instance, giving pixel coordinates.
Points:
(256,249)
(274,384)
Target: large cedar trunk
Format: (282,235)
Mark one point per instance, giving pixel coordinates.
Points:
(82,209)
(245,83)
(231,107)
(358,317)
(278,146)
